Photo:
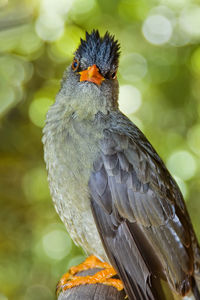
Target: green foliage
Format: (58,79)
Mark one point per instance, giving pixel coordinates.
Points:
(160,90)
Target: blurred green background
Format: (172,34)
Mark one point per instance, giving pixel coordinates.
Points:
(159,77)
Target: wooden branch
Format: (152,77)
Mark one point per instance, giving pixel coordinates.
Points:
(92,291)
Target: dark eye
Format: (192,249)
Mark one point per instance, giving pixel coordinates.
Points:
(114,75)
(75,64)
(111,75)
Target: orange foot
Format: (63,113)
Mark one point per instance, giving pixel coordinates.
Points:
(70,280)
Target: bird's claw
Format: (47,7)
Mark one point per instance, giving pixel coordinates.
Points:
(104,276)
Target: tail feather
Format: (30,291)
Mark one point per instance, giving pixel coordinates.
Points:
(126,258)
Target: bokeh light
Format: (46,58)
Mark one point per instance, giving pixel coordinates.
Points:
(79,7)
(49,27)
(34,184)
(182,164)
(190,20)
(38,109)
(159,77)
(57,244)
(157,29)
(133,99)
(50,23)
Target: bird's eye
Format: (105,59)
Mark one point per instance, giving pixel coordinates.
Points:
(114,75)
(111,75)
(75,64)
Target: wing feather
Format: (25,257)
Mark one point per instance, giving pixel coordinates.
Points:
(132,192)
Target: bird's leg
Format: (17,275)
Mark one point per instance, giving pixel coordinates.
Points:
(104,276)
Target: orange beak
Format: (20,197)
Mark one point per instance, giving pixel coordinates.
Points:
(91,74)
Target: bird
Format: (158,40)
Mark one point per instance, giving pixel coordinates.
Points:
(109,186)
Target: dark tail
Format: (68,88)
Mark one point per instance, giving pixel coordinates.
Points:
(126,257)
(195,290)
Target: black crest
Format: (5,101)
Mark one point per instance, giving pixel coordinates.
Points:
(102,51)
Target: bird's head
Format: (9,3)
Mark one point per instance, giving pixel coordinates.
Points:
(92,77)
(96,59)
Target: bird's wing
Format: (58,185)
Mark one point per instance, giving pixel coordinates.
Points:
(140,214)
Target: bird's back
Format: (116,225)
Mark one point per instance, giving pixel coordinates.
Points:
(144,202)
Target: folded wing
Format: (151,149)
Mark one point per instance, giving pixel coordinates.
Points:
(140,215)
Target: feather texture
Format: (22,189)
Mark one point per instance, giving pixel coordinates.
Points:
(140,213)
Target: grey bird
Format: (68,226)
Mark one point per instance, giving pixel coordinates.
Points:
(113,192)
